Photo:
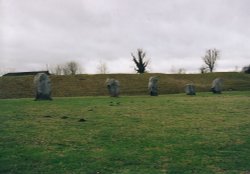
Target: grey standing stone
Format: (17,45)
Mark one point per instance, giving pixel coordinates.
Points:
(190,89)
(152,86)
(217,86)
(113,87)
(42,87)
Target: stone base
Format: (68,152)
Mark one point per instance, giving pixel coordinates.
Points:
(42,97)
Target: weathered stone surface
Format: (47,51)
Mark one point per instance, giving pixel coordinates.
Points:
(190,89)
(113,87)
(42,87)
(217,86)
(152,86)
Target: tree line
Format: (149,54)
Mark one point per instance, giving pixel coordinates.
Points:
(209,59)
(141,62)
(73,68)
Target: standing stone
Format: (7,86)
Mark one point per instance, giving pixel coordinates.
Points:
(190,89)
(113,87)
(152,86)
(42,87)
(217,86)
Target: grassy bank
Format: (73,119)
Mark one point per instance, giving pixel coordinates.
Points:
(131,84)
(131,134)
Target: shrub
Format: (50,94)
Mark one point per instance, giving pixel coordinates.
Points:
(246,69)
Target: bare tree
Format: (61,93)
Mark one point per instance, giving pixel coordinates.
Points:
(174,70)
(246,69)
(58,70)
(181,71)
(203,69)
(71,68)
(211,56)
(102,68)
(140,61)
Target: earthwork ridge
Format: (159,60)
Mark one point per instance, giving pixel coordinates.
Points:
(131,84)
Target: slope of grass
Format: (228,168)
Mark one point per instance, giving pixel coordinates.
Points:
(131,84)
(128,135)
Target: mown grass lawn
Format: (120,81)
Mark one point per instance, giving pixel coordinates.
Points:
(131,134)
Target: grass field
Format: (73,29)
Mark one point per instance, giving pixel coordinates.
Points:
(127,135)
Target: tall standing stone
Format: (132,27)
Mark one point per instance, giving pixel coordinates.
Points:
(42,87)
(152,86)
(217,86)
(190,89)
(113,87)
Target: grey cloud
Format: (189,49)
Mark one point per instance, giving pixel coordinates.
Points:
(174,33)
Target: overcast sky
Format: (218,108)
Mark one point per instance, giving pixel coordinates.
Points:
(174,33)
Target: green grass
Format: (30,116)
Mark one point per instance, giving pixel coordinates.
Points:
(131,84)
(128,135)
